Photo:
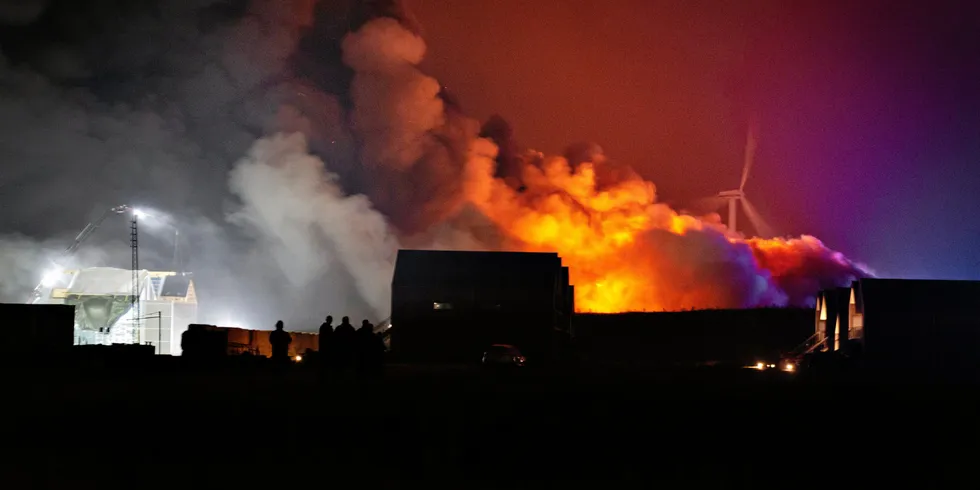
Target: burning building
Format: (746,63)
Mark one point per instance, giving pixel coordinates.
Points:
(924,323)
(450,306)
(104,313)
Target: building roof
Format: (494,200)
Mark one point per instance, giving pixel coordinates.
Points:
(176,286)
(105,281)
(414,267)
(917,295)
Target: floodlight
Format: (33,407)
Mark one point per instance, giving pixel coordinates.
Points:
(50,278)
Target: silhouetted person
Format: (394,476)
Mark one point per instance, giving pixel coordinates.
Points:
(370,349)
(344,340)
(324,342)
(280,340)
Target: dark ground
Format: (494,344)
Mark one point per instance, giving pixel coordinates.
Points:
(461,427)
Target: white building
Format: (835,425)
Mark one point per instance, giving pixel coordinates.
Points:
(903,321)
(104,314)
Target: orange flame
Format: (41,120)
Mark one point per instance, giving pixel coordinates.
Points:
(626,252)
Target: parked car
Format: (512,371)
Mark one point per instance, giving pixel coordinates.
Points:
(503,355)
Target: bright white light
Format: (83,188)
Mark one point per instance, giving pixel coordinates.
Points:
(234,323)
(298,358)
(760,366)
(789,367)
(139,213)
(50,278)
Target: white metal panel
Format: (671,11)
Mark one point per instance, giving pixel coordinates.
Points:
(109,281)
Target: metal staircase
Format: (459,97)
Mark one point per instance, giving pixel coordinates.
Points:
(809,345)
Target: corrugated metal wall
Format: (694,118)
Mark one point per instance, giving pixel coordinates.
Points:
(257,341)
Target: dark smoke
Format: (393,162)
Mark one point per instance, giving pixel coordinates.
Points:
(509,164)
(296,143)
(106,102)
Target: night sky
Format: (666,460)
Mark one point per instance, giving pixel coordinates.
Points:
(869,112)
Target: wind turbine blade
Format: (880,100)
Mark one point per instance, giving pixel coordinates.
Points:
(750,145)
(763,230)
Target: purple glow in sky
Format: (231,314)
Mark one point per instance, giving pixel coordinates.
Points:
(869,112)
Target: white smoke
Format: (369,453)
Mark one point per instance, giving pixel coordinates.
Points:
(308,223)
(299,211)
(24,262)
(151,106)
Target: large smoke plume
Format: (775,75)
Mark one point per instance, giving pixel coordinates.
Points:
(151,103)
(299,145)
(303,218)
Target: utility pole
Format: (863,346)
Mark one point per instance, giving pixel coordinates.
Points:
(134,246)
(160,329)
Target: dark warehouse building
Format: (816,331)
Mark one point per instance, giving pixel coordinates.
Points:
(451,306)
(36,331)
(925,325)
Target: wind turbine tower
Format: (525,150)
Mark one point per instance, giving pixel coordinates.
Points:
(738,195)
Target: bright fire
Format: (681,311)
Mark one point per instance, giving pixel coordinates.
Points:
(626,252)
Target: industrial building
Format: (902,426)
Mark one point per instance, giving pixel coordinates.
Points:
(35,333)
(450,306)
(926,323)
(104,313)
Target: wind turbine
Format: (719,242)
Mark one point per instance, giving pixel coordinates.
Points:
(738,195)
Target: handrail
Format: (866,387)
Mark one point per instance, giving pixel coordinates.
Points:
(805,346)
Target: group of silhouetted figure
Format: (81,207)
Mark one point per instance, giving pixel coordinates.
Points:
(340,348)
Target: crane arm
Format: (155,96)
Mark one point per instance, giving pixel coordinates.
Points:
(78,241)
(90,228)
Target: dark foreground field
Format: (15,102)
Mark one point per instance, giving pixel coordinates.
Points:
(460,427)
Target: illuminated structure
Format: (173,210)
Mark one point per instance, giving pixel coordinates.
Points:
(54,275)
(933,323)
(450,306)
(838,318)
(105,310)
